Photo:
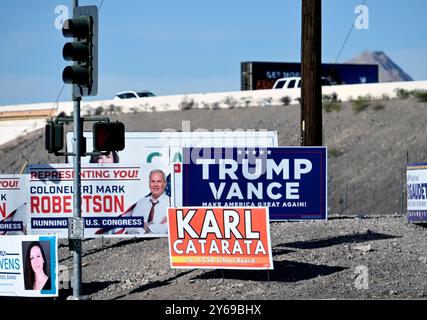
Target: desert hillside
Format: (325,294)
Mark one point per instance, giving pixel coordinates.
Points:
(367,156)
(368,151)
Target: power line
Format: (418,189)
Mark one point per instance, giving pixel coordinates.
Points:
(39,136)
(100,6)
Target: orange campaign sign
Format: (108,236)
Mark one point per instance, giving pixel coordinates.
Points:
(220,238)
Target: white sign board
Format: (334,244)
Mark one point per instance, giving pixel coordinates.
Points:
(13,193)
(165,147)
(416,176)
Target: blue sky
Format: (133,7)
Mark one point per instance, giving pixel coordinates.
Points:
(192,46)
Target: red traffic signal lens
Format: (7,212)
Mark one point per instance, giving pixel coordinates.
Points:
(108,136)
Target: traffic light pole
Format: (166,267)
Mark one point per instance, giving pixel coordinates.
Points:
(83,75)
(77,243)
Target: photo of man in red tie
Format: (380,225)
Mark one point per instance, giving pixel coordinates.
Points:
(153,207)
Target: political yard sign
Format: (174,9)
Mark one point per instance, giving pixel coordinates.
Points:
(290,181)
(110,201)
(13,191)
(225,238)
(416,177)
(23,259)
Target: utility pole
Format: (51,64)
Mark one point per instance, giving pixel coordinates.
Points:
(311,68)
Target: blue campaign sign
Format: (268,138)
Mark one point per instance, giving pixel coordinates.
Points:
(291,181)
(416,179)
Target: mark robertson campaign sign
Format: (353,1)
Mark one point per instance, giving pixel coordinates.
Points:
(291,181)
(110,197)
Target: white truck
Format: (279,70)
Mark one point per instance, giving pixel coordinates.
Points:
(294,82)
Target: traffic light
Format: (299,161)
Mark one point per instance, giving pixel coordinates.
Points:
(54,136)
(83,74)
(108,136)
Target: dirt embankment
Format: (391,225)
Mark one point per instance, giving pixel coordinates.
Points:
(379,257)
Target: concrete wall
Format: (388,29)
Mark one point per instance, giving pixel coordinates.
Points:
(10,129)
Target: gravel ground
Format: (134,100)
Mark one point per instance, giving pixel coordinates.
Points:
(312,260)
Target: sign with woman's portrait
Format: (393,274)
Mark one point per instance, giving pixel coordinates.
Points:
(29,266)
